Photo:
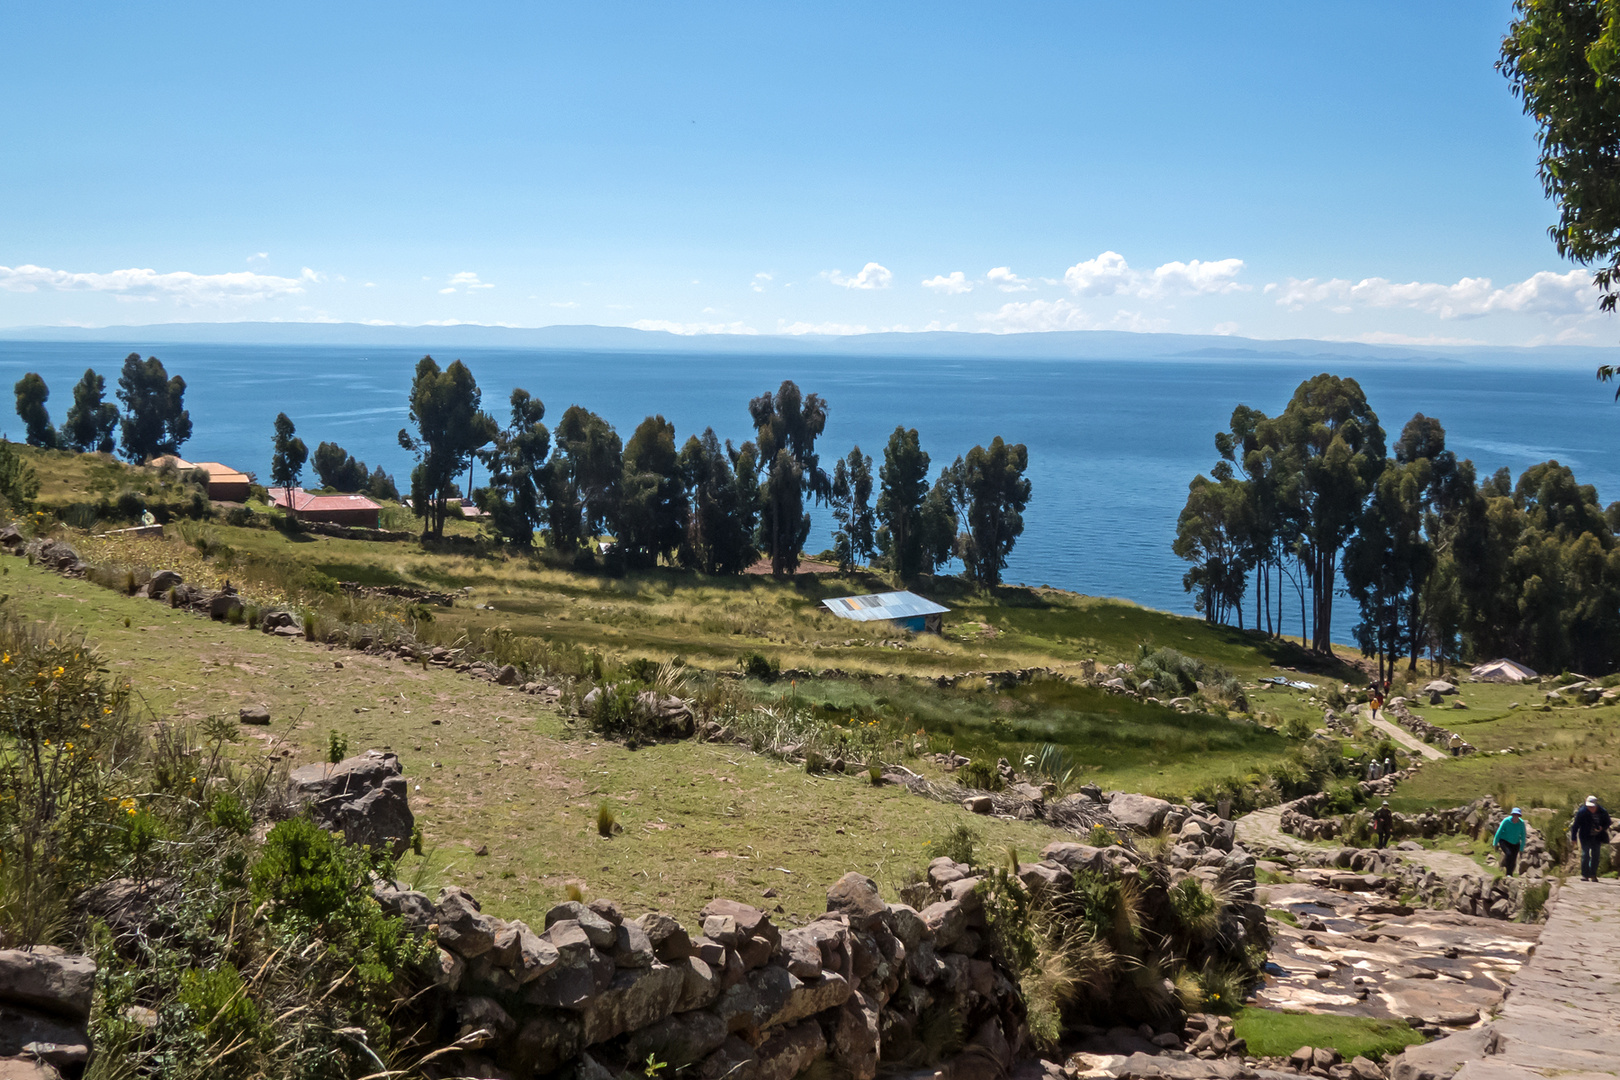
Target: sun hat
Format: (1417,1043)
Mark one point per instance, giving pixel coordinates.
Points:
(1517,811)
(1591,800)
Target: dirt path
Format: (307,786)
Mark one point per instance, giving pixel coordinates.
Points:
(1407,739)
(1560,1012)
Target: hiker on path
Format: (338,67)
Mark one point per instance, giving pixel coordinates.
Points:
(1389,766)
(1377,701)
(1383,820)
(1456,744)
(1510,838)
(1372,769)
(1591,828)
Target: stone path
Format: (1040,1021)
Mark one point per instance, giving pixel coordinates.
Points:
(1562,1014)
(1406,738)
(1262,829)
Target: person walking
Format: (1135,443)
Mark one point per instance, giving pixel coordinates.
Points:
(1377,701)
(1456,744)
(1389,766)
(1510,838)
(1383,823)
(1591,828)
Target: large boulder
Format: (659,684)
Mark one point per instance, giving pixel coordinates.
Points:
(223,605)
(364,796)
(856,896)
(161,583)
(48,979)
(1140,813)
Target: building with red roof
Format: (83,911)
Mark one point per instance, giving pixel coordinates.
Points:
(334,509)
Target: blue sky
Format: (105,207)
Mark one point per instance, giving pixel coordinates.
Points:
(1352,171)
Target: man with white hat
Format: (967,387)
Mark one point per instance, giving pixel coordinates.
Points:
(1591,828)
(1510,838)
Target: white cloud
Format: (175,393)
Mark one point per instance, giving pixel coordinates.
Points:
(1225,329)
(952,284)
(466,280)
(258,257)
(1024,316)
(181,286)
(872,276)
(1386,337)
(1543,293)
(829,328)
(369,285)
(760,281)
(565,303)
(1109,274)
(1004,279)
(692,328)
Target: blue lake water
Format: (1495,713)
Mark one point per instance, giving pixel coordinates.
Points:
(1112,444)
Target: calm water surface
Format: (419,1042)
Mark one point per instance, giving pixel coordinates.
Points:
(1112,444)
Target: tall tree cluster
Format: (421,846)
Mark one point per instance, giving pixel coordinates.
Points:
(1437,561)
(154,420)
(707,505)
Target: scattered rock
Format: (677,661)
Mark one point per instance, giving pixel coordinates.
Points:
(254,714)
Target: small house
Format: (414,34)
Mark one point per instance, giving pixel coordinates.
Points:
(355,510)
(225,484)
(906,610)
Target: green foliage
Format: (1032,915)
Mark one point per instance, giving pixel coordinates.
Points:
(787,425)
(958,843)
(516,464)
(904,476)
(759,666)
(337,746)
(607,819)
(305,873)
(652,500)
(1534,901)
(31,396)
(1274,1033)
(583,479)
(852,509)
(724,505)
(218,1003)
(91,421)
(980,775)
(1101,836)
(338,469)
(1562,59)
(287,457)
(227,812)
(615,715)
(994,491)
(450,427)
(19,483)
(155,420)
(1196,909)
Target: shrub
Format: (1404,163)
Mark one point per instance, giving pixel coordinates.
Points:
(642,669)
(227,812)
(1100,836)
(219,1004)
(615,715)
(302,871)
(981,775)
(759,666)
(1197,910)
(956,844)
(337,746)
(607,819)
(1535,902)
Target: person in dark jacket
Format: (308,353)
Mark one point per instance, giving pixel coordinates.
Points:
(1591,828)
(1383,820)
(1510,838)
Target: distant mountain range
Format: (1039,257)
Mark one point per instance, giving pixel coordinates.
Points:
(1053,345)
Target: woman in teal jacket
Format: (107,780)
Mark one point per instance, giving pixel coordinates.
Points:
(1510,838)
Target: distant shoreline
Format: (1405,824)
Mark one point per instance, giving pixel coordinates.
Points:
(1051,345)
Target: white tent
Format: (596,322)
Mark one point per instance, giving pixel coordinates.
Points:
(1509,671)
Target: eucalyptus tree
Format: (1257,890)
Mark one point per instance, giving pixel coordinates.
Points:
(1211,533)
(992,486)
(786,427)
(287,456)
(652,501)
(582,478)
(91,421)
(450,428)
(32,394)
(852,509)
(904,477)
(155,419)
(719,535)
(516,460)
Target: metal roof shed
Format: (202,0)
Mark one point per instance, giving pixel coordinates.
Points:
(904,609)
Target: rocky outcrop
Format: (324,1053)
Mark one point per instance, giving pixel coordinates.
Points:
(364,796)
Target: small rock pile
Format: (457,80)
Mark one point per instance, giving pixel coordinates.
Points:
(1324,1061)
(45,998)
